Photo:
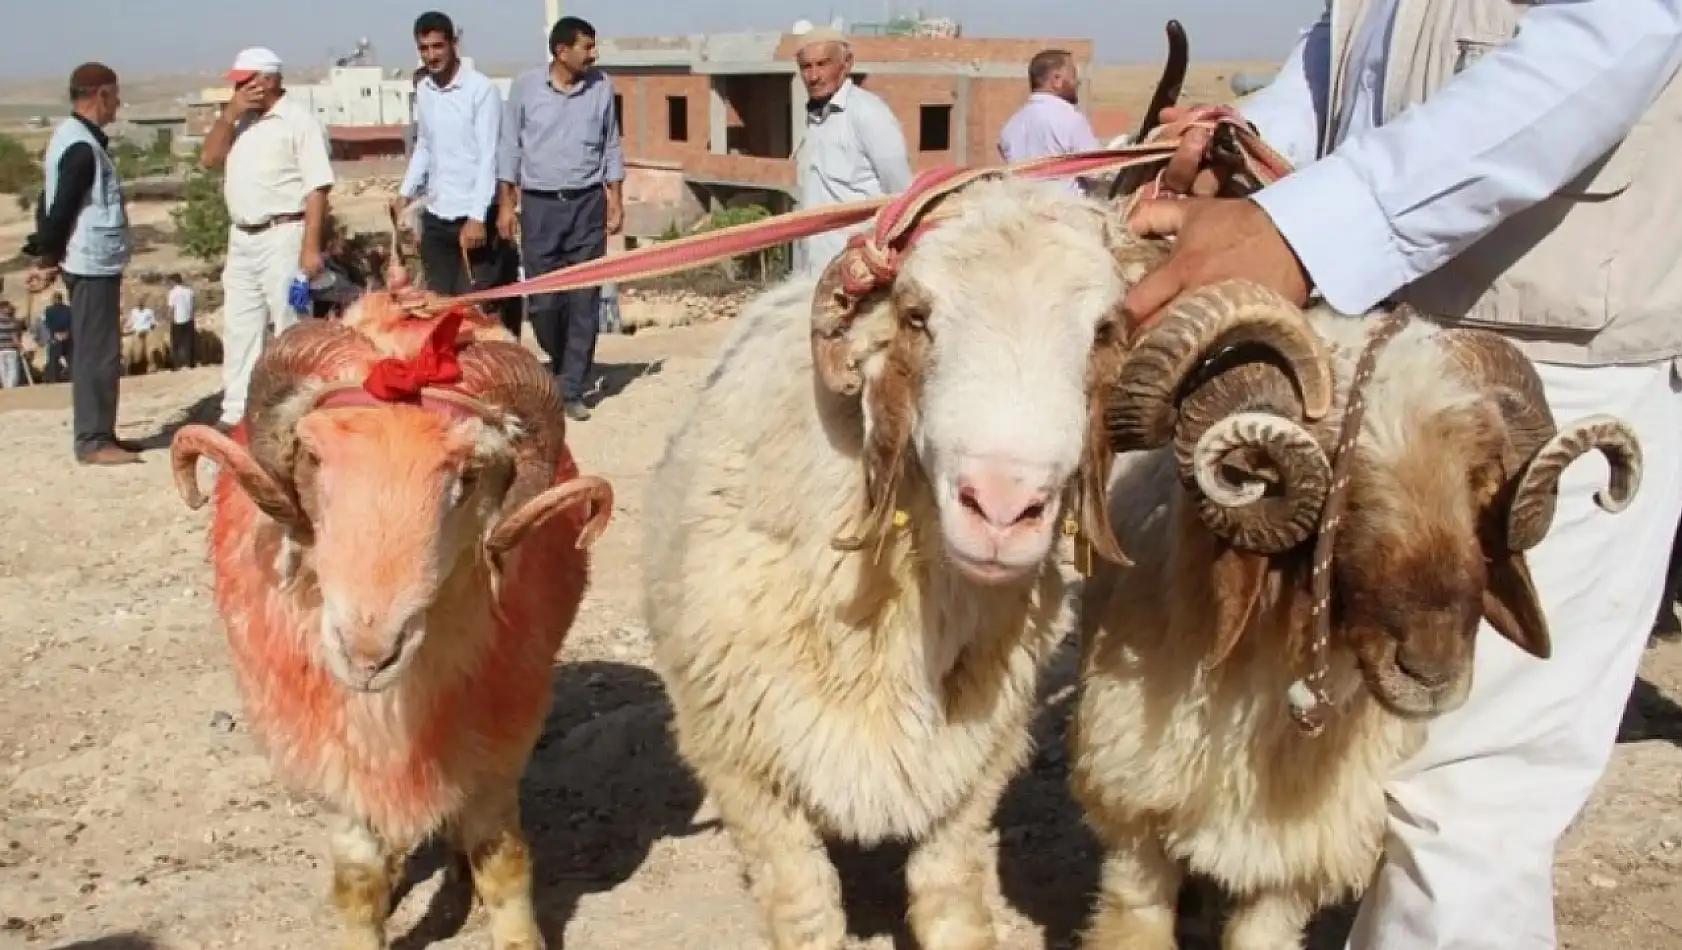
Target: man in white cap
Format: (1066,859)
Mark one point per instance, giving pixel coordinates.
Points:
(853,148)
(276,177)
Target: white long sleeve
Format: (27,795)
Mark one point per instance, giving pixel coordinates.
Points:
(1393,203)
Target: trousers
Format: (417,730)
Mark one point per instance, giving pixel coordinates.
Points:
(96,360)
(493,265)
(1476,815)
(182,351)
(555,231)
(255,279)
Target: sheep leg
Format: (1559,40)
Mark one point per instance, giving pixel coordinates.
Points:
(788,869)
(946,876)
(362,882)
(1270,920)
(1138,891)
(488,833)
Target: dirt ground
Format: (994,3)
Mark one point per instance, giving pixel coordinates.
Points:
(134,807)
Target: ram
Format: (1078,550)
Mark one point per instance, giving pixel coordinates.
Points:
(398,547)
(857,570)
(1223,727)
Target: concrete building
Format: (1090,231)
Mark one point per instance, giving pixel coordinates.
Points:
(725,112)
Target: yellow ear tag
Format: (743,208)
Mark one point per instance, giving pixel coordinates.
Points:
(901,518)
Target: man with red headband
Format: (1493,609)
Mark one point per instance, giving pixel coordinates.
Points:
(276,176)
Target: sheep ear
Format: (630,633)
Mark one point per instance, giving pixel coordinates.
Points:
(1511,607)
(1238,577)
(1095,484)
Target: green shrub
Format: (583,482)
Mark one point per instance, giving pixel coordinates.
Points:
(202,220)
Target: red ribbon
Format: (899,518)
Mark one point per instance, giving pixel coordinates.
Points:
(395,380)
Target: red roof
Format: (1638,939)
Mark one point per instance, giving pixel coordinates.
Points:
(366,133)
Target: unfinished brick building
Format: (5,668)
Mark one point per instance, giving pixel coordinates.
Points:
(715,120)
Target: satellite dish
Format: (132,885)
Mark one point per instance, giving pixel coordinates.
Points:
(801,27)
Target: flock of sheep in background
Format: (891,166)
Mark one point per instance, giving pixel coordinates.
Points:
(879,519)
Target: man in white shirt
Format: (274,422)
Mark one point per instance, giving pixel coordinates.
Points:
(276,178)
(1049,123)
(458,118)
(182,327)
(142,319)
(853,147)
(1482,160)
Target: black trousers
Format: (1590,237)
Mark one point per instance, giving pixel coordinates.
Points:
(182,352)
(494,264)
(58,361)
(96,361)
(557,230)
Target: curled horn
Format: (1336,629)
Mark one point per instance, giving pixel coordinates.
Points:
(1531,512)
(194,441)
(278,397)
(1536,453)
(1207,347)
(835,355)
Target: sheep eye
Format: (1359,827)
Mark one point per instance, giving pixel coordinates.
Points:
(465,483)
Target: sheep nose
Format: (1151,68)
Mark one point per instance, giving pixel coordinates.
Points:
(1002,497)
(369,662)
(1430,672)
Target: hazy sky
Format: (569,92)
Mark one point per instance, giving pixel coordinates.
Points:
(48,37)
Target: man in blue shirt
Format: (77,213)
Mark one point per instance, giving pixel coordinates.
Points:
(561,166)
(458,119)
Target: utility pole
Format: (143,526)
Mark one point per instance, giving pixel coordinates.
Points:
(551,13)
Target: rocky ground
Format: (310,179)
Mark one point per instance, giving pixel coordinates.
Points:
(135,813)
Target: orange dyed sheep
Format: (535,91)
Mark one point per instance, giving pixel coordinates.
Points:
(394,588)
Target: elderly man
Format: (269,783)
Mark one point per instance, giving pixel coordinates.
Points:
(1049,123)
(562,167)
(82,235)
(1483,161)
(275,182)
(458,118)
(853,147)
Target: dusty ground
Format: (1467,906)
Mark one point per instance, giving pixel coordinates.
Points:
(134,807)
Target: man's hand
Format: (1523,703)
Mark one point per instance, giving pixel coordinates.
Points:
(615,216)
(1217,239)
(245,100)
(310,262)
(508,222)
(472,235)
(40,278)
(1189,172)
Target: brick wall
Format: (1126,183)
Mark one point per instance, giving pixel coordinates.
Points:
(644,114)
(955,133)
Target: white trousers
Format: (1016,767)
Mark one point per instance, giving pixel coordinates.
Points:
(11,369)
(1475,817)
(259,271)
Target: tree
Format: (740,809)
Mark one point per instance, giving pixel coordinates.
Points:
(20,173)
(202,220)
